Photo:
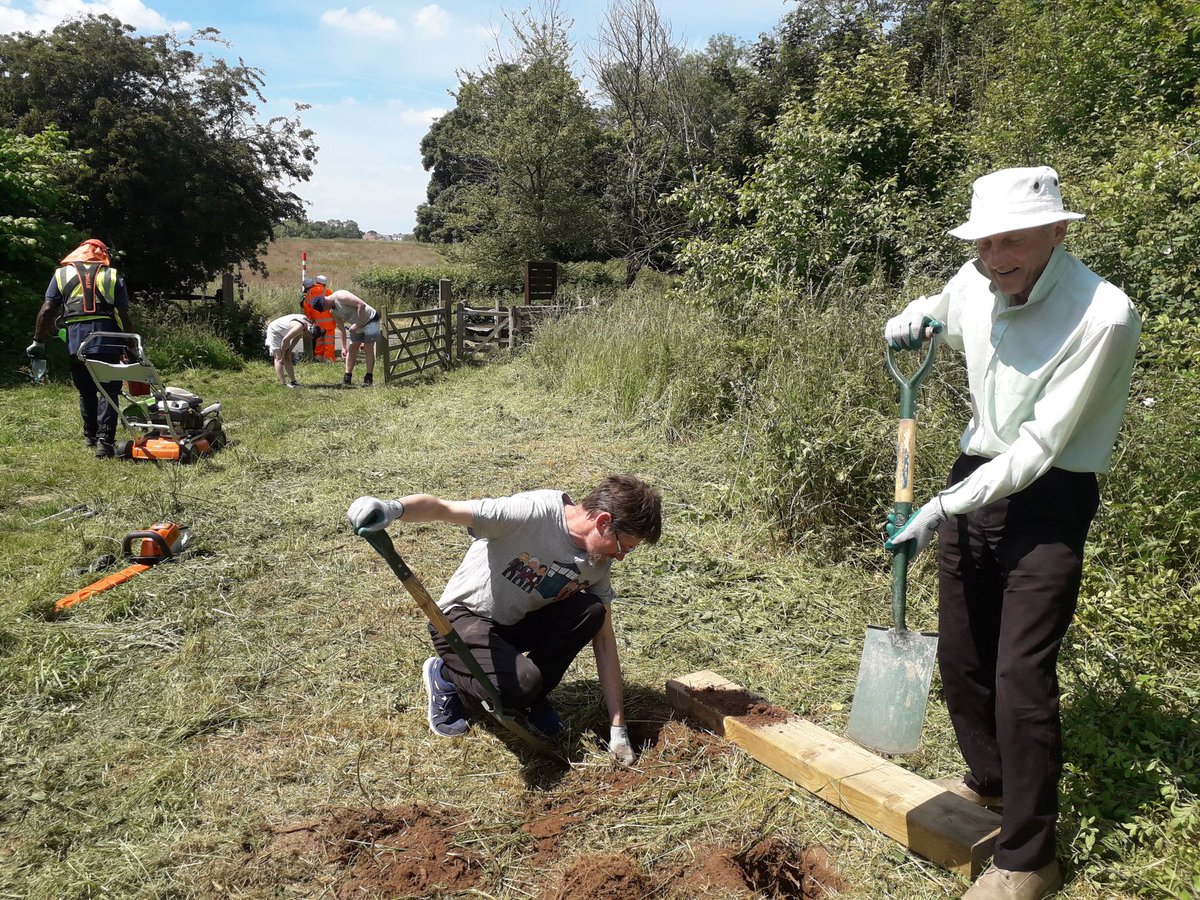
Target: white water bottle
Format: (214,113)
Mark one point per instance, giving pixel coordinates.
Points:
(37,368)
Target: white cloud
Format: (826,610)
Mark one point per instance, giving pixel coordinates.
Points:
(44,15)
(409,116)
(432,21)
(364,21)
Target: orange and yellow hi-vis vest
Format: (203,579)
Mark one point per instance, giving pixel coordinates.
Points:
(324,347)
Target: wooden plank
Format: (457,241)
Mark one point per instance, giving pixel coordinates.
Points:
(924,817)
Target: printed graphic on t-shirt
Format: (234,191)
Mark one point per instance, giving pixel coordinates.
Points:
(553,580)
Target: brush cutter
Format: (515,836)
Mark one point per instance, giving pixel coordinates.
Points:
(897,664)
(494,706)
(161,541)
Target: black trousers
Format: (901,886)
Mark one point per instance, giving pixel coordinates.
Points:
(98,410)
(552,636)
(1009,576)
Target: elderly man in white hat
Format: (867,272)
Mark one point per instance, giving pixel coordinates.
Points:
(1049,349)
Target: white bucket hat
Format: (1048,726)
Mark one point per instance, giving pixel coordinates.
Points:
(1012,199)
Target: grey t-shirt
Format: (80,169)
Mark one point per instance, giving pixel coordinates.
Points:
(521,559)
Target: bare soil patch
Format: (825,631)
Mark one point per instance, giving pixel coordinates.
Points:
(412,850)
(403,851)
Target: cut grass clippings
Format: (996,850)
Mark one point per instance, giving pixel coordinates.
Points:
(160,738)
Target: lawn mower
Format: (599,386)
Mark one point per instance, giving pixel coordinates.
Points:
(169,421)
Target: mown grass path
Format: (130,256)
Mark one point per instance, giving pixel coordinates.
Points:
(153,738)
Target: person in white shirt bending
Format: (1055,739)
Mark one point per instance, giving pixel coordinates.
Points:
(1049,348)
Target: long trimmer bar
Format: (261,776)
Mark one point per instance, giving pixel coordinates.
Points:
(494,706)
(163,540)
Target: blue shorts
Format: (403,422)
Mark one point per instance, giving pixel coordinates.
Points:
(369,332)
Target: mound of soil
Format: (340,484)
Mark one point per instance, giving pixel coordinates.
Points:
(602,876)
(404,851)
(411,850)
(768,869)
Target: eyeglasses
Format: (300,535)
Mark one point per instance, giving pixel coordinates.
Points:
(612,525)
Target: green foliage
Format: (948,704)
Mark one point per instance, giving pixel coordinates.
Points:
(842,196)
(529,146)
(185,179)
(412,287)
(33,228)
(331,228)
(215,336)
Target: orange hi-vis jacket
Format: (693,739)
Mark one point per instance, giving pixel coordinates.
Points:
(324,347)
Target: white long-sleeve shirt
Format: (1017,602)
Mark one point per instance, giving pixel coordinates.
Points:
(1049,379)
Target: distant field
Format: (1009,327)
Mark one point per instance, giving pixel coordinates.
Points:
(340,259)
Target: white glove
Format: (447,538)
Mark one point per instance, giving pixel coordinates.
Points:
(36,350)
(373,514)
(920,528)
(618,743)
(906,331)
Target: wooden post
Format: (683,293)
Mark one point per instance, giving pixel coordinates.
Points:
(459,328)
(919,814)
(382,345)
(447,311)
(227,287)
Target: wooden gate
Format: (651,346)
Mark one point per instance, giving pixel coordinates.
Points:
(483,330)
(415,341)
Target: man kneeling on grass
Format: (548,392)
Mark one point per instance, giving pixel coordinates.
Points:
(535,581)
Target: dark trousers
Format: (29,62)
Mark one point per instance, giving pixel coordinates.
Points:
(98,410)
(1009,576)
(552,636)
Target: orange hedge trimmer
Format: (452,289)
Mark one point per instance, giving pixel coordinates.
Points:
(163,540)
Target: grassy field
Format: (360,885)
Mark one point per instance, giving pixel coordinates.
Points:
(209,728)
(340,259)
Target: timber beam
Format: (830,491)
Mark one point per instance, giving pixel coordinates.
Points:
(921,815)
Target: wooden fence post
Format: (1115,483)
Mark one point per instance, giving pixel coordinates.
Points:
(227,287)
(382,345)
(444,296)
(459,327)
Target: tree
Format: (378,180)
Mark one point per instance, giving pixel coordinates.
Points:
(447,172)
(33,226)
(185,182)
(533,156)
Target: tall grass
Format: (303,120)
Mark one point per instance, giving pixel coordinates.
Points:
(646,357)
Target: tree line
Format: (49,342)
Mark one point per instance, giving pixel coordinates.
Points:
(841,145)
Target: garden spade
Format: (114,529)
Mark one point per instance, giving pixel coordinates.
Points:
(494,706)
(897,664)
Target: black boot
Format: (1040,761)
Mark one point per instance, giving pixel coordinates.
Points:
(104,449)
(346,379)
(368,379)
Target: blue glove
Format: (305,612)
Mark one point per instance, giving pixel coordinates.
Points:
(920,528)
(373,514)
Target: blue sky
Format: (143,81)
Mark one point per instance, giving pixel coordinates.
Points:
(375,74)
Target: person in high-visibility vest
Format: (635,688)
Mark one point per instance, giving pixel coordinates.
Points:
(324,345)
(90,296)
